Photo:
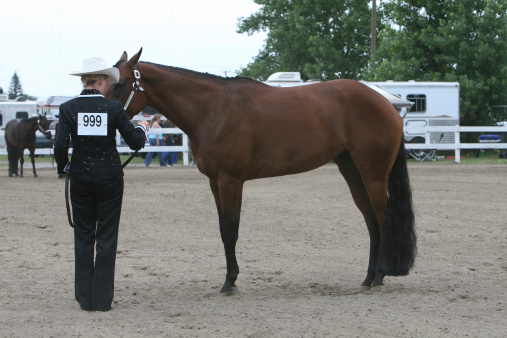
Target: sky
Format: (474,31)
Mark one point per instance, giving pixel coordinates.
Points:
(45,41)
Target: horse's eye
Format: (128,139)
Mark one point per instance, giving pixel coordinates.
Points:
(119,84)
(118,89)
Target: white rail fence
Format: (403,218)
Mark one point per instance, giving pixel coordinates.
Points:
(457,146)
(184,148)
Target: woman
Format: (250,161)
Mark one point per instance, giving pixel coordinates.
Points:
(168,140)
(155,140)
(96,179)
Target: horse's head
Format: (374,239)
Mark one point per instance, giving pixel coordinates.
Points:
(44,123)
(129,89)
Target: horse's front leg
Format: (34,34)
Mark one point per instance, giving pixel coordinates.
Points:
(32,157)
(228,199)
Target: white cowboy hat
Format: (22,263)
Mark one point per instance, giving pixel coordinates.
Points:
(99,66)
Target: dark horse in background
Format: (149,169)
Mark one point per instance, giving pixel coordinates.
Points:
(241,129)
(20,135)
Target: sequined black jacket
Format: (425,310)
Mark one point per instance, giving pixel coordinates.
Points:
(94,158)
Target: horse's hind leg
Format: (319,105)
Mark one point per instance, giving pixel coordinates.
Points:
(12,156)
(375,182)
(353,178)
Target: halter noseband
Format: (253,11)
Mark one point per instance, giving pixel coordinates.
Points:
(135,87)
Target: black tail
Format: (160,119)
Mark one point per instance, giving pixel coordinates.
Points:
(400,216)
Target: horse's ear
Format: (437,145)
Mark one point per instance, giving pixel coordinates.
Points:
(124,57)
(135,59)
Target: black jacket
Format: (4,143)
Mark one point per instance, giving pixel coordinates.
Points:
(94,158)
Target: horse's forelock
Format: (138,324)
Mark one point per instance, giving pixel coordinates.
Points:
(118,63)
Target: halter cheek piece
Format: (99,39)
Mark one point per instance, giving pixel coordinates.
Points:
(40,128)
(135,87)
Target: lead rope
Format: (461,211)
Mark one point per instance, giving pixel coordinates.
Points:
(67,200)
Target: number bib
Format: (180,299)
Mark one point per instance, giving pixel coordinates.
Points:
(92,124)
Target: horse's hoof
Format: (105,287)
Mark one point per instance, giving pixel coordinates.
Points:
(232,292)
(229,290)
(380,289)
(35,176)
(364,288)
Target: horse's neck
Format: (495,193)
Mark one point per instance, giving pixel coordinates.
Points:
(32,126)
(185,99)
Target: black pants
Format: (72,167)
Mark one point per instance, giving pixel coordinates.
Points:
(96,211)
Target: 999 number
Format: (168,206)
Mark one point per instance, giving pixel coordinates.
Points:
(92,120)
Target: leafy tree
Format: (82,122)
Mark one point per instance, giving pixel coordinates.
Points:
(423,40)
(447,40)
(15,88)
(323,39)
(29,97)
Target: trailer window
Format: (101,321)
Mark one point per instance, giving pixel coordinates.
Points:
(22,115)
(419,103)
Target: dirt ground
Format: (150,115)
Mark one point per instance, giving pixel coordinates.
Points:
(302,253)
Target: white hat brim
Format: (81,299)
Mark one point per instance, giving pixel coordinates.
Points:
(113,74)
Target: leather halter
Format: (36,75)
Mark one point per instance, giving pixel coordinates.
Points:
(40,127)
(135,87)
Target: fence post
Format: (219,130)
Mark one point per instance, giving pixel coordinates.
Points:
(427,135)
(184,141)
(457,151)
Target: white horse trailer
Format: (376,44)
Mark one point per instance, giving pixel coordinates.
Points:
(10,110)
(434,104)
(50,107)
(420,104)
(293,79)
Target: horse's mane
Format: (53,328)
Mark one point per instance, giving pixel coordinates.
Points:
(31,119)
(193,72)
(199,74)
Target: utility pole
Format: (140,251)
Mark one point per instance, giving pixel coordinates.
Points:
(373,27)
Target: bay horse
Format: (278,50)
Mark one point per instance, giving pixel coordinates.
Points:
(241,129)
(20,135)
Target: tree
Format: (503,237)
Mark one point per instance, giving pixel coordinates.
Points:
(323,39)
(15,88)
(447,40)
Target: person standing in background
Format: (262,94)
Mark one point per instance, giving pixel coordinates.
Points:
(168,141)
(155,140)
